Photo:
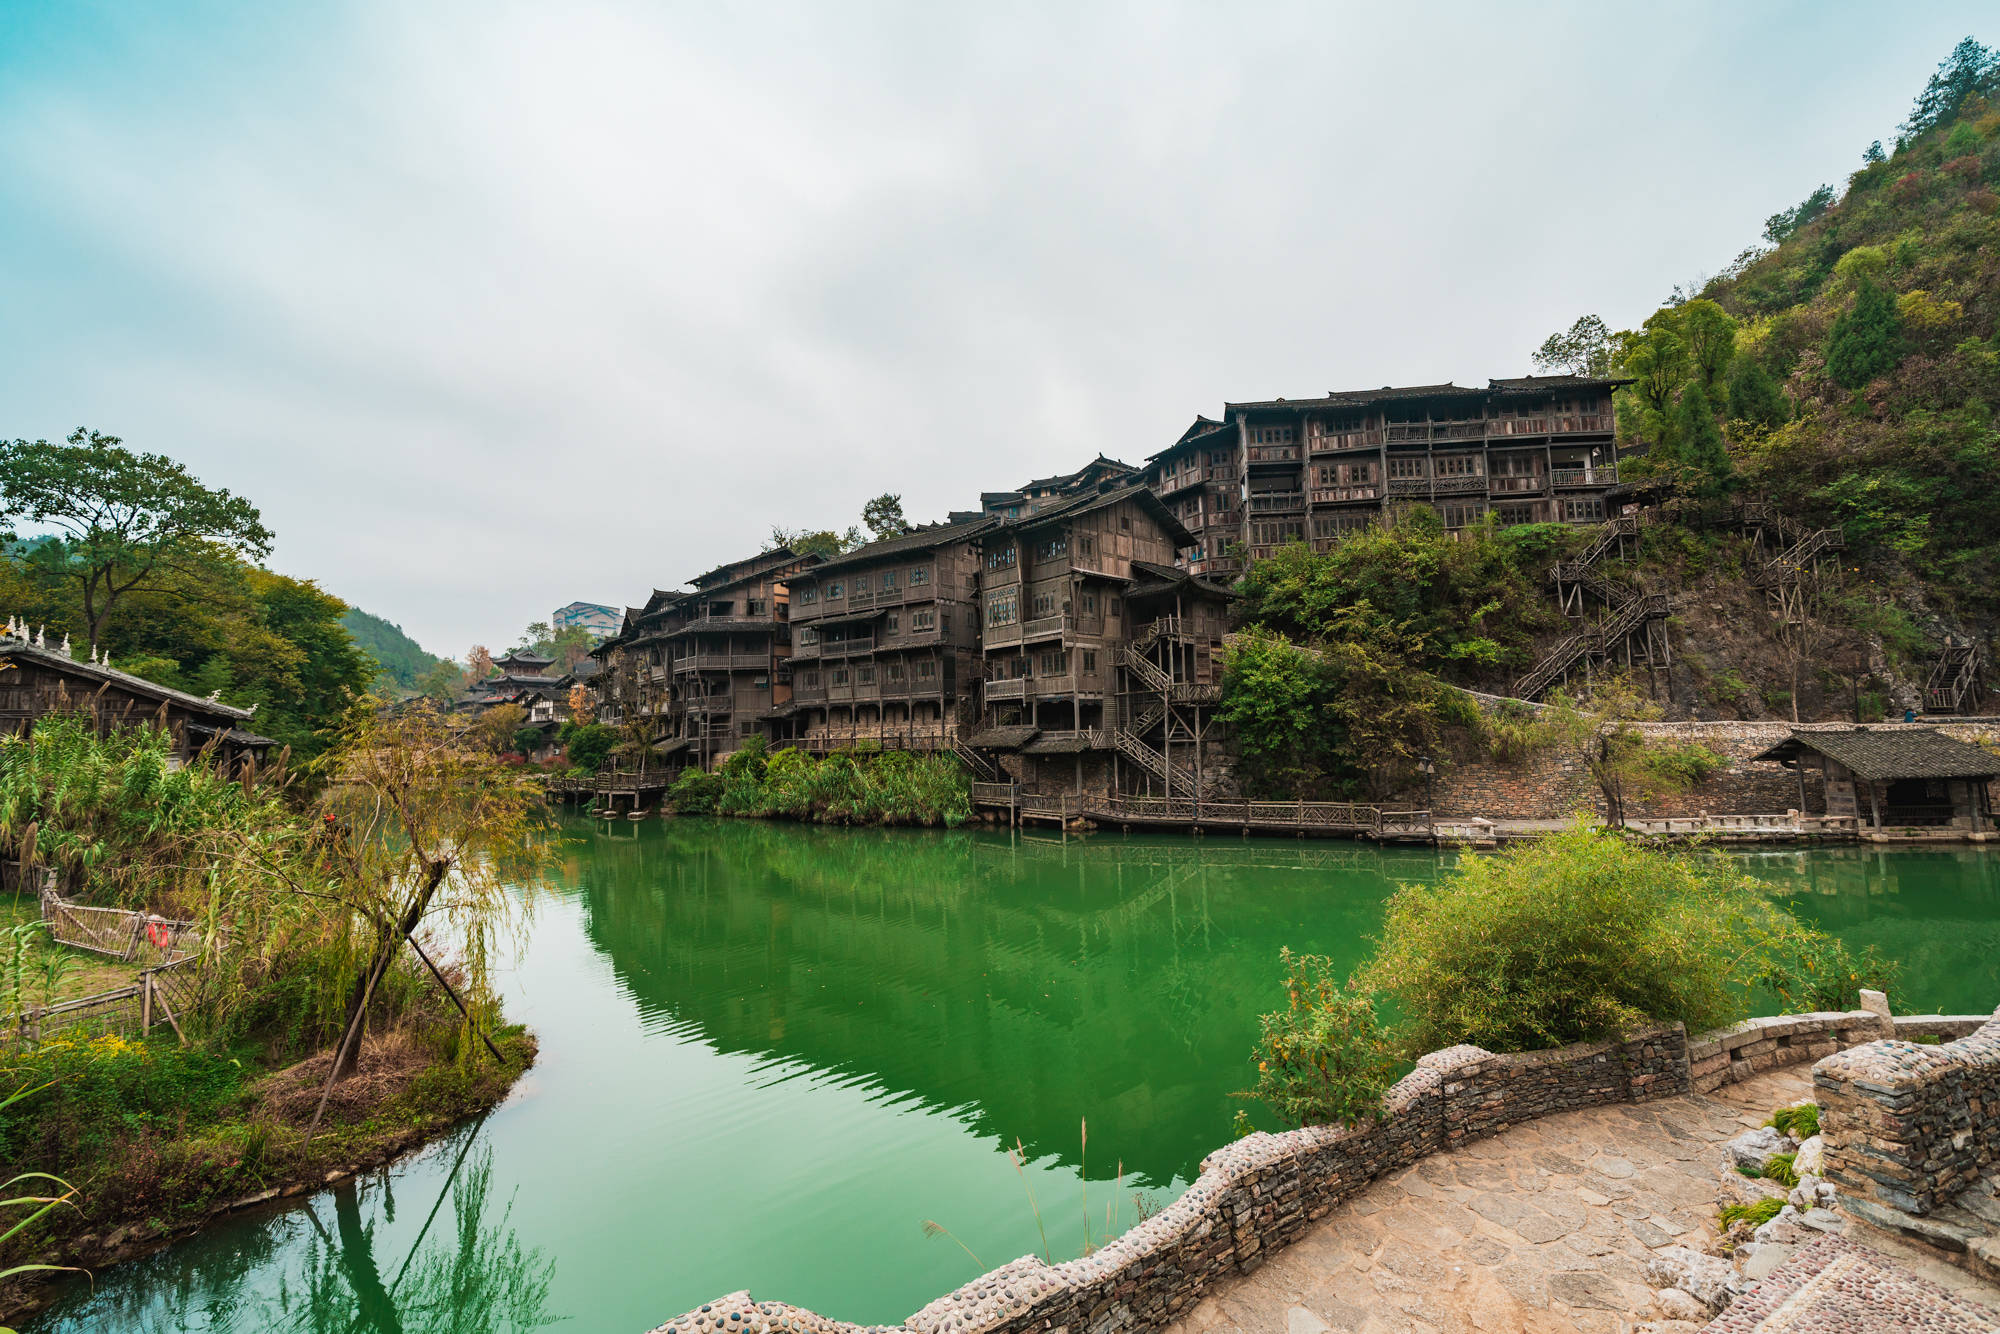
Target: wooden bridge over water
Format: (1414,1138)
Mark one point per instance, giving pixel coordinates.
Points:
(1320,819)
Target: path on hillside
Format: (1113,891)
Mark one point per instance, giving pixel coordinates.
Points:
(1542,1229)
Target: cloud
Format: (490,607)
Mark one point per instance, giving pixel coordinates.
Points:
(493,306)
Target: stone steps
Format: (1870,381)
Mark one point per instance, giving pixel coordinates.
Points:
(1834,1286)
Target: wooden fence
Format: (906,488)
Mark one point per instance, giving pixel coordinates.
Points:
(163,993)
(1329,817)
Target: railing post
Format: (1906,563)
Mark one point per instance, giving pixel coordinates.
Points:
(146,1002)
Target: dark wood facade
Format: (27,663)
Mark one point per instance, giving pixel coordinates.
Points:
(36,681)
(1539,449)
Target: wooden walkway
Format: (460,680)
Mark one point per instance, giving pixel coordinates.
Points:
(1323,819)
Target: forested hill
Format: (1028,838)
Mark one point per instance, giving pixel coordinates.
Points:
(1853,363)
(401,659)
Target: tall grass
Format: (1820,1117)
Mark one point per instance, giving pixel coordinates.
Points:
(847,787)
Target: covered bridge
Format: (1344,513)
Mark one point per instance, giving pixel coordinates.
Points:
(1896,776)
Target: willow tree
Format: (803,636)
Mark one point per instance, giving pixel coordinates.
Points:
(425,835)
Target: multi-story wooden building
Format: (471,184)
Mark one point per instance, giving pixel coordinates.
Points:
(885,641)
(1538,449)
(1085,623)
(1043,492)
(710,664)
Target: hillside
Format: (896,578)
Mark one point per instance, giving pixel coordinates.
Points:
(401,660)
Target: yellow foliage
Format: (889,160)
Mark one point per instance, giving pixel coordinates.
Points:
(1921,310)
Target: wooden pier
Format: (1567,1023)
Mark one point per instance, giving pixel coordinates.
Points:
(614,794)
(1320,819)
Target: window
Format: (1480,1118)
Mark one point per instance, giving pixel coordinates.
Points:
(927,669)
(922,620)
(861,583)
(1459,514)
(1021,666)
(834,590)
(1587,509)
(809,594)
(760,683)
(1125,522)
(888,580)
(1271,435)
(1115,612)
(1407,466)
(1090,604)
(1089,660)
(1052,664)
(919,574)
(1459,465)
(1000,558)
(1045,605)
(1086,546)
(1002,608)
(754,607)
(1054,547)
(865,676)
(838,676)
(896,622)
(1515,513)
(812,679)
(893,672)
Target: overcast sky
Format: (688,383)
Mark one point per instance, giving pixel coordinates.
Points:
(491,306)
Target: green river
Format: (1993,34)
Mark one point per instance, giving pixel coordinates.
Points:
(771,1054)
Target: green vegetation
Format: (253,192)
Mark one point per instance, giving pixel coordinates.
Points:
(402,666)
(138,558)
(1801,1119)
(851,787)
(307,901)
(1756,1215)
(1778,1167)
(1323,1059)
(1344,678)
(1582,936)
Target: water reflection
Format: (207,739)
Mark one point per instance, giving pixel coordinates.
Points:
(342,1265)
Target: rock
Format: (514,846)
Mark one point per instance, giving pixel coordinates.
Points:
(1812,1157)
(1784,1228)
(1677,1305)
(1753,1148)
(1823,1220)
(1804,1195)
(1709,1280)
(1763,1258)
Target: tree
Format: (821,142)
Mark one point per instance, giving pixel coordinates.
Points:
(1710,335)
(1585,349)
(125,519)
(478,664)
(420,828)
(1866,341)
(1873,154)
(1754,396)
(1599,733)
(823,542)
(441,681)
(1970,70)
(1781,225)
(884,516)
(1697,444)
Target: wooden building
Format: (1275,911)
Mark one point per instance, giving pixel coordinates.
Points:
(1044,492)
(885,642)
(36,680)
(709,665)
(1537,449)
(1086,627)
(1896,777)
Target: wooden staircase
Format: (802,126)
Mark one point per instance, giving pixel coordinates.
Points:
(1627,618)
(1954,685)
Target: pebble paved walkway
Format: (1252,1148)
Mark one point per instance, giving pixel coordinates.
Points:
(1541,1230)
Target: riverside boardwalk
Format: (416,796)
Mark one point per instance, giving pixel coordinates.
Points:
(1546,1227)
(1327,819)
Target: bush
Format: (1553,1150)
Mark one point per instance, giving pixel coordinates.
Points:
(1810,970)
(695,792)
(1580,936)
(1322,1059)
(590,745)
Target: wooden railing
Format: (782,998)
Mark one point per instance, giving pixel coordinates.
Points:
(1328,816)
(1269,501)
(1603,474)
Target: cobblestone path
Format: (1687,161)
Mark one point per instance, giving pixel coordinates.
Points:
(1545,1228)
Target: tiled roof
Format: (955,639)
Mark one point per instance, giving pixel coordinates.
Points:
(1359,398)
(1196,435)
(1879,755)
(1002,738)
(1108,494)
(138,685)
(1537,382)
(736,571)
(917,539)
(1158,580)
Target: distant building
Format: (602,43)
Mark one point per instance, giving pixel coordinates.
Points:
(600,620)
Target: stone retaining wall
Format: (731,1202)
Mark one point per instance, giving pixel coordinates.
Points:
(1262,1192)
(1908,1126)
(1553,785)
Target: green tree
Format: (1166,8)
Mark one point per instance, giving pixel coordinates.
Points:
(1971,70)
(1754,396)
(1866,341)
(1779,226)
(1697,442)
(884,516)
(1583,349)
(125,519)
(441,681)
(1710,335)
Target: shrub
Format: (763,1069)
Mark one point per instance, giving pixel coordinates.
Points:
(1811,970)
(695,792)
(588,746)
(1778,1167)
(1322,1059)
(1579,936)
(1801,1120)
(1756,1215)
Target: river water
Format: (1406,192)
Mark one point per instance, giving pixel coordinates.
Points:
(770,1055)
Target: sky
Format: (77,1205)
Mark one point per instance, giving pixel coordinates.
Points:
(494,306)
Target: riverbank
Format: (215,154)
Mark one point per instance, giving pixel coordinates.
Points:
(158,1174)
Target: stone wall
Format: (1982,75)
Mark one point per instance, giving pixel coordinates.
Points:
(1263,1191)
(1908,1126)
(1553,785)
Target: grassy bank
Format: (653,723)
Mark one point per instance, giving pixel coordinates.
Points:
(847,787)
(157,1139)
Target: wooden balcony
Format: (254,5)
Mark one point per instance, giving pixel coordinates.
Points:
(1604,474)
(1531,484)
(723,703)
(1335,495)
(1258,455)
(1046,627)
(689,663)
(1270,502)
(850,647)
(1016,688)
(1329,442)
(1187,477)
(719,624)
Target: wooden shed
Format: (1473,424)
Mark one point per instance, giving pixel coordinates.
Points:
(1896,776)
